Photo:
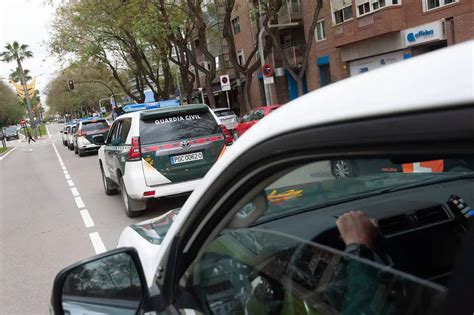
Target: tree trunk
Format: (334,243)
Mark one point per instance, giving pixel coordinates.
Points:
(27,99)
(248,86)
(300,86)
(210,95)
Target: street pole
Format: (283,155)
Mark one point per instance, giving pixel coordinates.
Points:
(268,101)
(177,85)
(202,94)
(227,94)
(268,94)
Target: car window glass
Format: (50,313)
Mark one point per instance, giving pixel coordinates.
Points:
(221,113)
(248,117)
(259,114)
(177,127)
(125,128)
(94,125)
(254,271)
(422,213)
(112,130)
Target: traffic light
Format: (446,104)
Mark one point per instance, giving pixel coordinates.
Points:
(70,85)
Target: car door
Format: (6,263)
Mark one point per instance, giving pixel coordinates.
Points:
(270,244)
(246,123)
(110,150)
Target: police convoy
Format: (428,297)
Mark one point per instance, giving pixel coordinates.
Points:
(151,153)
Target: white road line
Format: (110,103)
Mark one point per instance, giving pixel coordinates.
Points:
(63,167)
(86,217)
(67,176)
(6,154)
(99,246)
(80,204)
(70,182)
(65,172)
(75,192)
(47,131)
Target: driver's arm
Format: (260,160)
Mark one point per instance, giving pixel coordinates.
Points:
(359,234)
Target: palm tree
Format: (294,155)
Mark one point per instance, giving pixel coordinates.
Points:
(15,75)
(18,53)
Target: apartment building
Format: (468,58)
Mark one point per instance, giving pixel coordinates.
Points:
(351,37)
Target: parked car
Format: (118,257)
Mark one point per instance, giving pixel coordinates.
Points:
(11,133)
(251,118)
(70,136)
(158,153)
(226,117)
(64,132)
(259,234)
(90,135)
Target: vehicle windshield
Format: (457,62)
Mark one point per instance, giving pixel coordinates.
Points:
(94,125)
(221,113)
(324,183)
(176,127)
(10,130)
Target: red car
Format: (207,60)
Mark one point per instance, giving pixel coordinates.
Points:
(251,118)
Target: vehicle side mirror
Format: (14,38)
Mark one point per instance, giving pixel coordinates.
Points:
(109,283)
(60,131)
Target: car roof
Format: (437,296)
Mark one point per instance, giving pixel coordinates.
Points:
(171,110)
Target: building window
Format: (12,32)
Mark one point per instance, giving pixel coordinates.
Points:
(341,11)
(236,25)
(241,57)
(324,75)
(320,31)
(433,4)
(368,6)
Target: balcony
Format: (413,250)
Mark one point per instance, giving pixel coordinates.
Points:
(294,52)
(290,12)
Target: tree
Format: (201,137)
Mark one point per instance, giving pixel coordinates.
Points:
(85,97)
(16,77)
(299,74)
(10,109)
(18,53)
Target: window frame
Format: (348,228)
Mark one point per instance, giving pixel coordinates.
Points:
(388,3)
(316,30)
(442,4)
(235,22)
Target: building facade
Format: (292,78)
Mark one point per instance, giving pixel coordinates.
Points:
(351,37)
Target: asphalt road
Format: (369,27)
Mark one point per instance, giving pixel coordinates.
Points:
(53,212)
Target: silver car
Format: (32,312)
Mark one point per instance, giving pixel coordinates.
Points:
(226,117)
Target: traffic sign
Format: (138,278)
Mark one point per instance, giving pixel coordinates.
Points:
(225,82)
(267,70)
(268,80)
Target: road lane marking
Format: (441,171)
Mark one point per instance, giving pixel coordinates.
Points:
(95,238)
(97,243)
(47,131)
(80,204)
(86,217)
(75,192)
(6,154)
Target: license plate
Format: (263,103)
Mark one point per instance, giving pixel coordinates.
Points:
(187,158)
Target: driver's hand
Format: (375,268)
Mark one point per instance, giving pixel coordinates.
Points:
(356,227)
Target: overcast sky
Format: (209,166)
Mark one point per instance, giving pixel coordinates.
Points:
(27,21)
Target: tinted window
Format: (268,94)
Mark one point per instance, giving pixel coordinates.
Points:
(125,128)
(10,131)
(94,125)
(176,127)
(259,114)
(221,113)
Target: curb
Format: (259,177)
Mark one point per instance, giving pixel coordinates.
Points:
(6,153)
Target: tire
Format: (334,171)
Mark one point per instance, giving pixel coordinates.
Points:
(108,184)
(76,151)
(70,147)
(81,153)
(133,208)
(343,169)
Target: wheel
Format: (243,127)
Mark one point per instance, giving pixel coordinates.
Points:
(81,153)
(342,169)
(132,207)
(64,143)
(235,135)
(76,151)
(70,147)
(107,184)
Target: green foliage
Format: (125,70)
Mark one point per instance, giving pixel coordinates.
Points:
(10,109)
(85,96)
(16,77)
